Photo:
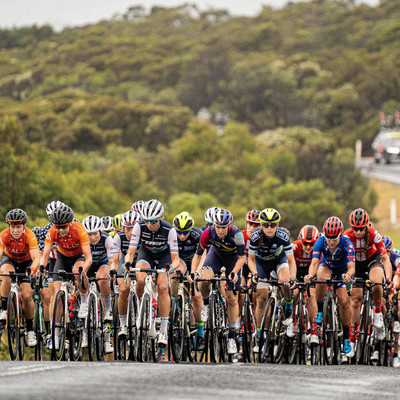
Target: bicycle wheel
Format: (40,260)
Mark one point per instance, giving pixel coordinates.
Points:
(132,330)
(22,332)
(143,341)
(248,330)
(265,342)
(280,336)
(328,327)
(76,327)
(12,325)
(100,347)
(38,329)
(222,324)
(91,326)
(213,330)
(58,326)
(176,328)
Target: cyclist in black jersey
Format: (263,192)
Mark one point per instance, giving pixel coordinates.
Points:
(158,247)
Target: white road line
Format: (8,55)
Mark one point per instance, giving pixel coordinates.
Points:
(30,369)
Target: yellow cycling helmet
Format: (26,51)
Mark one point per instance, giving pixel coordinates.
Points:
(183,221)
(117,222)
(269,215)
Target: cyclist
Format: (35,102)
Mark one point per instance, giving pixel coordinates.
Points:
(73,251)
(333,257)
(271,256)
(138,206)
(209,217)
(101,249)
(227,250)
(36,231)
(116,224)
(18,251)
(188,240)
(107,223)
(303,251)
(48,294)
(120,249)
(158,247)
(369,251)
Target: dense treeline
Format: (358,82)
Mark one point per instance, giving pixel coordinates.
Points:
(102,115)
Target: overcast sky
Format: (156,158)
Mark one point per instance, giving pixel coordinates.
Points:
(61,13)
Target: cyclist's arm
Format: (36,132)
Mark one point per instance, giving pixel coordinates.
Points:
(351,268)
(312,270)
(175,260)
(251,262)
(130,254)
(115,261)
(239,264)
(45,256)
(35,255)
(88,257)
(292,265)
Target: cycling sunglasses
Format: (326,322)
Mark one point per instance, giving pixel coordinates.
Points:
(269,225)
(359,229)
(182,232)
(307,243)
(256,224)
(64,226)
(152,221)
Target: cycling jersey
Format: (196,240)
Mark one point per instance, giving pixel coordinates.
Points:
(246,242)
(303,259)
(395,261)
(120,244)
(363,252)
(271,249)
(187,248)
(102,250)
(70,245)
(343,255)
(18,250)
(42,238)
(232,243)
(155,242)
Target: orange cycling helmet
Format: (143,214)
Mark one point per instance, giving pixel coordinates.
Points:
(359,218)
(309,234)
(253,216)
(333,228)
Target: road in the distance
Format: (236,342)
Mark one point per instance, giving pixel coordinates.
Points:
(383,172)
(120,380)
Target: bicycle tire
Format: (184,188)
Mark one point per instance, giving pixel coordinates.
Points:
(100,346)
(328,332)
(132,329)
(12,326)
(264,341)
(91,326)
(279,343)
(59,309)
(213,330)
(76,327)
(222,324)
(143,347)
(248,330)
(301,333)
(38,329)
(22,332)
(176,328)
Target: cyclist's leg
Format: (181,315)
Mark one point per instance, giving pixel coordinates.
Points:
(345,315)
(6,267)
(376,274)
(144,260)
(262,294)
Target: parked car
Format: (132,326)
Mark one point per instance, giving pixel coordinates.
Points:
(386,146)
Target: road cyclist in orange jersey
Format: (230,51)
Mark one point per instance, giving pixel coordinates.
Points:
(73,251)
(303,251)
(119,251)
(157,245)
(373,263)
(19,251)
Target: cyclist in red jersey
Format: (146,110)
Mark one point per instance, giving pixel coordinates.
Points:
(370,254)
(303,252)
(19,250)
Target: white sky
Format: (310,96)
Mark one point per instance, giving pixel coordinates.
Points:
(61,13)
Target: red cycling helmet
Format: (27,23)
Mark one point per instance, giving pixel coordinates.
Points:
(333,228)
(359,218)
(309,234)
(252,216)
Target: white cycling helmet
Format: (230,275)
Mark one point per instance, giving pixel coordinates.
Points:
(52,206)
(222,218)
(209,215)
(138,206)
(92,224)
(107,223)
(130,218)
(153,209)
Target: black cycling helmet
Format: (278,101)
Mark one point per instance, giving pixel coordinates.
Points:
(62,215)
(16,216)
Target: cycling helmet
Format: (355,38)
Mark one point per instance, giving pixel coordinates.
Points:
(130,218)
(138,206)
(107,223)
(76,220)
(359,218)
(269,215)
(222,218)
(183,221)
(388,242)
(62,215)
(253,216)
(152,209)
(16,216)
(309,234)
(209,215)
(36,230)
(333,228)
(92,224)
(52,206)
(116,222)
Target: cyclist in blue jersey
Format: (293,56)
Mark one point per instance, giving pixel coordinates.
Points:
(334,257)
(120,249)
(271,256)
(158,247)
(227,250)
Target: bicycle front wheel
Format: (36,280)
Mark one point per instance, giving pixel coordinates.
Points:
(12,325)
(58,326)
(213,330)
(132,329)
(38,329)
(328,333)
(265,342)
(100,346)
(248,330)
(176,328)
(143,342)
(91,326)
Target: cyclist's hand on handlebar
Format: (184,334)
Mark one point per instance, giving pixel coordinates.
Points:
(255,278)
(388,283)
(307,278)
(233,277)
(293,283)
(346,278)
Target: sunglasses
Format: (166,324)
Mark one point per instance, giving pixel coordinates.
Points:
(182,232)
(359,229)
(307,244)
(256,224)
(15,222)
(152,221)
(270,225)
(332,238)
(64,226)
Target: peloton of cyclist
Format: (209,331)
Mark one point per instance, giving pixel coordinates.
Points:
(158,247)
(227,250)
(19,251)
(333,257)
(271,257)
(303,251)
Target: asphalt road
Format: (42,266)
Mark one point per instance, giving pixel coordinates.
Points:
(120,380)
(384,172)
